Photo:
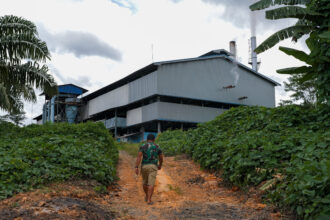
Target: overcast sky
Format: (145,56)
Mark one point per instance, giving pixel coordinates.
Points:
(96,42)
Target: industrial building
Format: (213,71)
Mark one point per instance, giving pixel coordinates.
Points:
(169,94)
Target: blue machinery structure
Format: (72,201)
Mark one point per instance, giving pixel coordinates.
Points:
(63,107)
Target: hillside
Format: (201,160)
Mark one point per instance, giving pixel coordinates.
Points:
(285,149)
(35,155)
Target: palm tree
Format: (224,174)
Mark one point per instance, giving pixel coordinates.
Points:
(21,52)
(313,20)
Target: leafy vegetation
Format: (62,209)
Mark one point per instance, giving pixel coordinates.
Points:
(131,148)
(313,20)
(35,155)
(302,91)
(288,146)
(15,117)
(171,141)
(22,54)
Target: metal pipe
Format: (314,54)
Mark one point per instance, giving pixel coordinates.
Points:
(254,54)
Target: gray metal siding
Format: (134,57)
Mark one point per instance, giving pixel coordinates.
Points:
(205,80)
(114,98)
(171,112)
(188,113)
(133,91)
(201,79)
(134,116)
(143,87)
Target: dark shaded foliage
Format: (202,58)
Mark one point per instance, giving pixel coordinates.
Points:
(39,154)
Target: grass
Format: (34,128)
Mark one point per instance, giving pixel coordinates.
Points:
(131,148)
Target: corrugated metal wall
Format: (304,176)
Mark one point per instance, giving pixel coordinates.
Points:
(205,80)
(143,87)
(172,112)
(114,98)
(133,91)
(188,113)
(134,116)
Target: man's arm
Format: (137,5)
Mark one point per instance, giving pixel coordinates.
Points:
(161,158)
(138,161)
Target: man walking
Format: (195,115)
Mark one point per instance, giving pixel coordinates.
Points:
(150,153)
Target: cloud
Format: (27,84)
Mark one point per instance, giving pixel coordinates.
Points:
(79,43)
(82,81)
(238,13)
(125,4)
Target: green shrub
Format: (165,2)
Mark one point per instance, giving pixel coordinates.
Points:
(171,142)
(38,154)
(253,144)
(130,148)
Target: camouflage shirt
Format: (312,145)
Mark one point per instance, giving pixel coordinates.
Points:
(150,153)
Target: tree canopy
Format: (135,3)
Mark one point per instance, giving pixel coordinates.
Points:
(313,20)
(22,63)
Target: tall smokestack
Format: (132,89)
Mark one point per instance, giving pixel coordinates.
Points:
(232,48)
(254,54)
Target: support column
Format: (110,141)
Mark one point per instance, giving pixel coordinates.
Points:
(142,130)
(159,127)
(52,109)
(48,110)
(116,124)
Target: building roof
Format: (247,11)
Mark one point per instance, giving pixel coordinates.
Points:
(71,89)
(214,54)
(68,89)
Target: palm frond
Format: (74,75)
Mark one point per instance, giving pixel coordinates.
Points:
(301,22)
(19,41)
(4,99)
(262,4)
(298,54)
(295,70)
(282,35)
(292,12)
(30,74)
(10,24)
(17,47)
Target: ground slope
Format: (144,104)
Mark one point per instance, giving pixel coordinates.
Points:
(182,191)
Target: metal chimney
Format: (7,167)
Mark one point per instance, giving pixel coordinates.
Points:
(232,48)
(254,54)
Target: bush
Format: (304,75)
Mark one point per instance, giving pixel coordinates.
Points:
(171,142)
(255,144)
(38,154)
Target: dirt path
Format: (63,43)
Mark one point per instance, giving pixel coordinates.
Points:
(183,191)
